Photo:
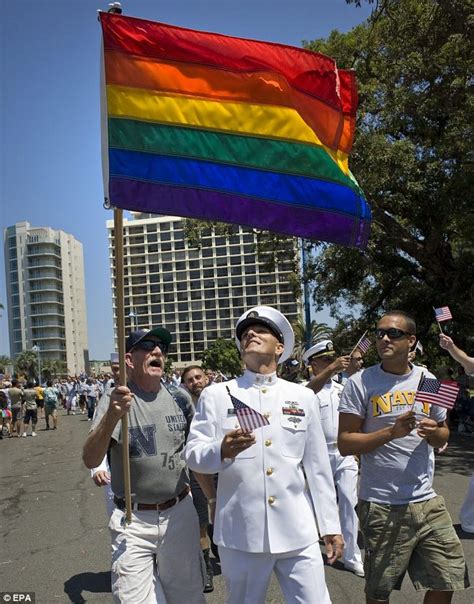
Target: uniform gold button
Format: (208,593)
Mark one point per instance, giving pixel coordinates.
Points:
(271,500)
(268,443)
(267,414)
(264,390)
(269,471)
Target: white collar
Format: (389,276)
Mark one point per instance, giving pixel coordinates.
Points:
(250,378)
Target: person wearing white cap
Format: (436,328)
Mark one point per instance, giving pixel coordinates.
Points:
(264,514)
(344,469)
(332,368)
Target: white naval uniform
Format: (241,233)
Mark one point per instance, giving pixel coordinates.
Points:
(344,470)
(264,516)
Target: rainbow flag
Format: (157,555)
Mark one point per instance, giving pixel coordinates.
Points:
(213,127)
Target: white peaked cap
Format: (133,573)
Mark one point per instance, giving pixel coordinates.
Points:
(274,320)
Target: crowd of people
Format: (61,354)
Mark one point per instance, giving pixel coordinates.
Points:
(272,466)
(262,468)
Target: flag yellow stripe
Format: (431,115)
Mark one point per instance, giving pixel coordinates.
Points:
(267,121)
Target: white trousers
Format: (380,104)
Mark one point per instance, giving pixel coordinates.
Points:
(300,574)
(466,515)
(156,558)
(344,470)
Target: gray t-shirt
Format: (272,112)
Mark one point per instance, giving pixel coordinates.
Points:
(400,471)
(157,427)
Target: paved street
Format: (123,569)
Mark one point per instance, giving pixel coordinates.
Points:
(53,522)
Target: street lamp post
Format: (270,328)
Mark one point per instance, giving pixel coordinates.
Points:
(36,349)
(133,317)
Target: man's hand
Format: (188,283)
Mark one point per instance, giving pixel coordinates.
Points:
(235,442)
(403,425)
(426,428)
(120,401)
(445,341)
(334,547)
(340,364)
(101,478)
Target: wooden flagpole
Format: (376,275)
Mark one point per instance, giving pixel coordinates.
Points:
(120,324)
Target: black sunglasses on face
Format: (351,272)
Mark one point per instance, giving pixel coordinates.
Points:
(393,333)
(150,345)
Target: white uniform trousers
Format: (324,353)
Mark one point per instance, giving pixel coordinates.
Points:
(300,574)
(466,515)
(156,558)
(345,472)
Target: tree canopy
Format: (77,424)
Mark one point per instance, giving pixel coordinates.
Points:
(411,156)
(222,356)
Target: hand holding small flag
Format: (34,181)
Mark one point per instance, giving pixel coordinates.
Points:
(248,418)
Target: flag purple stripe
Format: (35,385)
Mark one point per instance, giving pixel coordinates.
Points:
(235,209)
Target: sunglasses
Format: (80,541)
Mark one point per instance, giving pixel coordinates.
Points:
(393,333)
(150,345)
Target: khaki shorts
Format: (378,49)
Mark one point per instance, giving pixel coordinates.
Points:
(416,537)
(50,411)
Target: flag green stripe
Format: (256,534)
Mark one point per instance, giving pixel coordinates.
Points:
(244,151)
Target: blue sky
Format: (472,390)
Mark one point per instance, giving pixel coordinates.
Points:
(50,167)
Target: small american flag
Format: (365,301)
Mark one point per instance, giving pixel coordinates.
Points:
(443,313)
(364,344)
(249,419)
(442,393)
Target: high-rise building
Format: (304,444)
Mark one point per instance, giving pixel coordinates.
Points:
(46,295)
(197,293)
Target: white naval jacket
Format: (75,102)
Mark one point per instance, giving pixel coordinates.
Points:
(262,501)
(329,397)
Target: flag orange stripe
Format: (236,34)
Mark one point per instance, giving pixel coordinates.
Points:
(263,87)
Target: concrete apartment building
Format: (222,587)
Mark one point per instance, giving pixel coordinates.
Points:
(46,294)
(196,293)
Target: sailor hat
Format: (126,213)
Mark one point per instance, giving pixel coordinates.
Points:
(274,320)
(324,348)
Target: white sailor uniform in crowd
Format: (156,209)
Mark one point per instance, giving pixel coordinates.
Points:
(344,470)
(264,516)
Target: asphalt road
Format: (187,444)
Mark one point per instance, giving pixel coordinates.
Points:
(55,540)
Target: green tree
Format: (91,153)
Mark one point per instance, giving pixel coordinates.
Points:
(26,363)
(318,331)
(222,356)
(414,62)
(51,369)
(4,362)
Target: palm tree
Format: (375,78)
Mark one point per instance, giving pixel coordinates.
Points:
(318,331)
(4,362)
(27,364)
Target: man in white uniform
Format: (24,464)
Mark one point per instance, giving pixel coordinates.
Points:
(264,515)
(344,469)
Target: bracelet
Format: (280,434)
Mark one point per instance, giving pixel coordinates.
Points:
(211,500)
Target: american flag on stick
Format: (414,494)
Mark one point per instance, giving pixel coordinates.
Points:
(437,392)
(443,313)
(249,419)
(363,344)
